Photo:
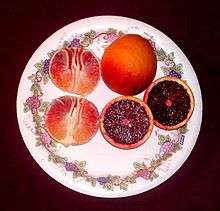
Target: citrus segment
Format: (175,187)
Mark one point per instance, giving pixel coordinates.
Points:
(71,120)
(75,70)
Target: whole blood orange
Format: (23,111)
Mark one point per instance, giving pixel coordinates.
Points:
(75,70)
(126,122)
(71,121)
(171,102)
(129,64)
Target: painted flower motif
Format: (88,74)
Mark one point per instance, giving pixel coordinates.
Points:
(166,147)
(102,180)
(38,76)
(144,173)
(110,37)
(45,138)
(152,44)
(77,168)
(169,62)
(33,102)
(75,43)
(181,139)
(174,73)
(46,66)
(71,167)
(117,181)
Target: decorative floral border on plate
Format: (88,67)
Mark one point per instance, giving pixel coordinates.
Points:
(37,107)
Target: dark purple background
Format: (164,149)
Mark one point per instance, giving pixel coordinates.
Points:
(193,26)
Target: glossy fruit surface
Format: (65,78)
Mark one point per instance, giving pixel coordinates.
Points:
(171,102)
(126,122)
(129,65)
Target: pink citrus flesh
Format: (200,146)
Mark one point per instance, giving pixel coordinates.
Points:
(71,120)
(75,70)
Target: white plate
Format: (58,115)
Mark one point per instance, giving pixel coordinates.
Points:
(101,158)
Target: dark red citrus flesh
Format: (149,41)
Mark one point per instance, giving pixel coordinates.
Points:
(126,122)
(170,102)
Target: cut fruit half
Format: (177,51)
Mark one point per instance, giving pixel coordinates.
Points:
(171,102)
(75,70)
(71,121)
(126,122)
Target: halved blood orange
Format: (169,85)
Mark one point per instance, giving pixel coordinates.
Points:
(75,70)
(126,122)
(71,121)
(171,102)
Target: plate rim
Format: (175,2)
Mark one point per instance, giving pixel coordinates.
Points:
(126,194)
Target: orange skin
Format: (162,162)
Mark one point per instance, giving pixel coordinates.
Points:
(126,146)
(129,65)
(192,102)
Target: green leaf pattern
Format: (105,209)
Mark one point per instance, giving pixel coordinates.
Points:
(40,78)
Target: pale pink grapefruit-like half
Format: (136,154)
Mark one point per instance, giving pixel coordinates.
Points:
(71,120)
(75,70)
